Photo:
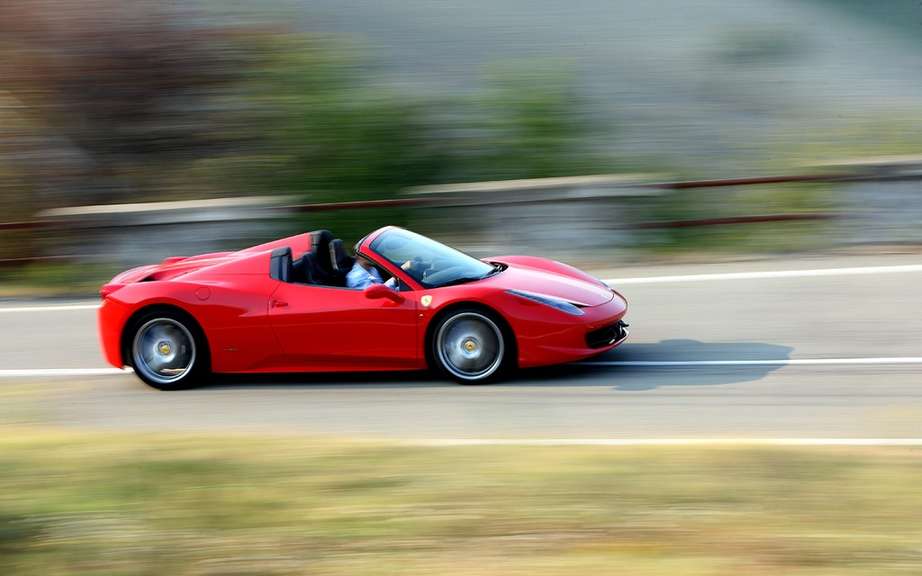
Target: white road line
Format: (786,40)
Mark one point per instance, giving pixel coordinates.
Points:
(449,442)
(50,308)
(30,372)
(768,274)
(766,362)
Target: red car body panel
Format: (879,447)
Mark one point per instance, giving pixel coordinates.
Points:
(254,323)
(329,328)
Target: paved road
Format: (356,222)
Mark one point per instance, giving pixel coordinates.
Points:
(803,317)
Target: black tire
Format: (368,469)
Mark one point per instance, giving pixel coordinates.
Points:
(471,346)
(167,350)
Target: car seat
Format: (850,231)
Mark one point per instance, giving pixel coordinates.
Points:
(303,269)
(340,259)
(323,271)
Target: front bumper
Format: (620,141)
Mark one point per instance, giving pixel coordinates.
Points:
(598,330)
(111,318)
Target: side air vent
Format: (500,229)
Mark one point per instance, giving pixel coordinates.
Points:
(606,336)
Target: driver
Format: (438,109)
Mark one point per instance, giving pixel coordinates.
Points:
(364,274)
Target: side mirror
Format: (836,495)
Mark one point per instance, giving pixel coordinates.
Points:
(375,291)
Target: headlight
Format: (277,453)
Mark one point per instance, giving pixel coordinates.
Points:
(551,301)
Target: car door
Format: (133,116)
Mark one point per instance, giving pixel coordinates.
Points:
(324,328)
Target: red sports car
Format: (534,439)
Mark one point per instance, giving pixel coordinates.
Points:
(285,307)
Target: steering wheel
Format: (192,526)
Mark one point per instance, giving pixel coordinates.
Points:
(419,268)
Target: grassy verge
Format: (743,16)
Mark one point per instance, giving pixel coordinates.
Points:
(54,279)
(139,504)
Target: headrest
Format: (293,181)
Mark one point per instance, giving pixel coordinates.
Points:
(338,256)
(320,240)
(280,264)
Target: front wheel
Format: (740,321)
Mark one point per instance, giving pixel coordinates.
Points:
(469,346)
(167,351)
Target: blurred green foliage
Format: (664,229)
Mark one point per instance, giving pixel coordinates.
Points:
(157,102)
(527,122)
(893,131)
(92,504)
(327,133)
(54,278)
(273,113)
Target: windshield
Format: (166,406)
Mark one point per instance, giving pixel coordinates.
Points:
(428,262)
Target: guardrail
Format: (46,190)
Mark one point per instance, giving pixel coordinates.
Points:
(23,225)
(580,189)
(447,195)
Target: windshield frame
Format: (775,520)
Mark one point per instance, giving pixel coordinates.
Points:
(367,248)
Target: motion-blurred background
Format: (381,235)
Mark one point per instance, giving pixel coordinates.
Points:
(653,143)
(223,124)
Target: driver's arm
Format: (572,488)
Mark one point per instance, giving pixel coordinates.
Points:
(392,282)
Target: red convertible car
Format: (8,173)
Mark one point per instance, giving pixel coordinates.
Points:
(285,307)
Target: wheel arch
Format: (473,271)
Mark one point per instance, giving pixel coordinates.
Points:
(495,314)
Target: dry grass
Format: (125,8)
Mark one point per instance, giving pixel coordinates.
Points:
(142,504)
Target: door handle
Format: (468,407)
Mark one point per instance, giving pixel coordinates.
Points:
(279,303)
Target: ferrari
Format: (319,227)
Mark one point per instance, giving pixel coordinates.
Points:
(286,306)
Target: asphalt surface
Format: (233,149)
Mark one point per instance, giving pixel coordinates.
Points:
(836,317)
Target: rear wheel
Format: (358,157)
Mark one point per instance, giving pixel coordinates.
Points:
(167,351)
(469,346)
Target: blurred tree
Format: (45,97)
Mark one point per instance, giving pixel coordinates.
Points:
(328,133)
(332,135)
(335,136)
(530,122)
(150,100)
(126,85)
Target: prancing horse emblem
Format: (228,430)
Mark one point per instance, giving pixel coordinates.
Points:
(426,300)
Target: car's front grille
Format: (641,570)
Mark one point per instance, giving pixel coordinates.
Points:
(606,336)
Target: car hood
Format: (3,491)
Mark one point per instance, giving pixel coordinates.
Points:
(552,279)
